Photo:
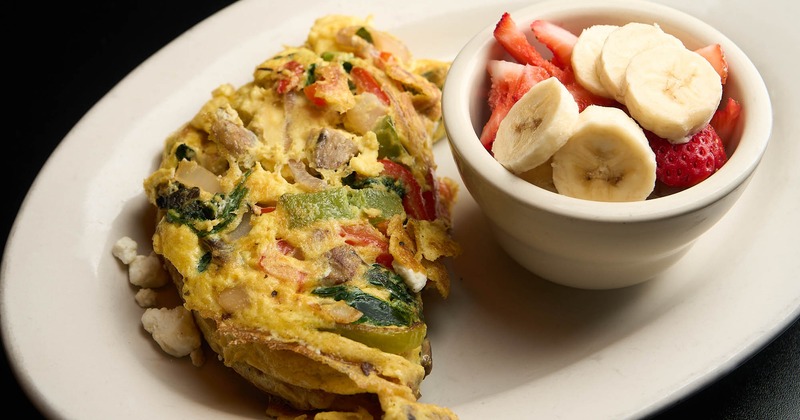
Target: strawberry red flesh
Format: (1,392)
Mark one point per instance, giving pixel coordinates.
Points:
(557,39)
(560,42)
(514,41)
(716,56)
(581,95)
(724,120)
(509,82)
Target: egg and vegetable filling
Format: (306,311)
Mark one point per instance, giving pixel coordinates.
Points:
(301,217)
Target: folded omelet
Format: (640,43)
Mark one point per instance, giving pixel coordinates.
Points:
(301,217)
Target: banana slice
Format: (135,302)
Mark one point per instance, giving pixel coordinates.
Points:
(536,126)
(672,91)
(541,176)
(585,54)
(608,158)
(620,46)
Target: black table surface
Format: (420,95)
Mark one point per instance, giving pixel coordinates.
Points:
(64,58)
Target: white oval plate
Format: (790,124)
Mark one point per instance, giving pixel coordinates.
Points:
(506,344)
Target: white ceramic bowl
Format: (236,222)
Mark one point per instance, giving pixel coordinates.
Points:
(588,244)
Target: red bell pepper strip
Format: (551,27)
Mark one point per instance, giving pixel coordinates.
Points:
(366,83)
(311,94)
(291,71)
(366,235)
(414,200)
(431,197)
(284,247)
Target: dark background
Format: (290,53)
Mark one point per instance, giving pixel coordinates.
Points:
(61,58)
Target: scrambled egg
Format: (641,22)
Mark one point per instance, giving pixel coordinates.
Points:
(301,216)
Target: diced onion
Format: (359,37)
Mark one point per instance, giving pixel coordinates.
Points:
(341,313)
(388,43)
(191,174)
(233,299)
(365,114)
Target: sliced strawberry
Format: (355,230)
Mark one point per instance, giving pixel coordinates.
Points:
(686,164)
(509,81)
(514,41)
(724,120)
(561,42)
(716,56)
(582,96)
(557,39)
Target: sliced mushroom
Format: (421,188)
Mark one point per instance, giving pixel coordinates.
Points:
(221,251)
(344,261)
(237,140)
(333,149)
(301,176)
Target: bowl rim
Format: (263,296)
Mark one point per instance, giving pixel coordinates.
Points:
(464,141)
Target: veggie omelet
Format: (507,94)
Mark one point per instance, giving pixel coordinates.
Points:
(300,216)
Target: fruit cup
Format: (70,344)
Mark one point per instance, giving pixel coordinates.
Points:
(586,243)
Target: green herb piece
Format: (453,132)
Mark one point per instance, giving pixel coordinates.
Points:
(184,206)
(377,275)
(310,76)
(184,152)
(378,182)
(375,310)
(395,325)
(205,260)
(364,33)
